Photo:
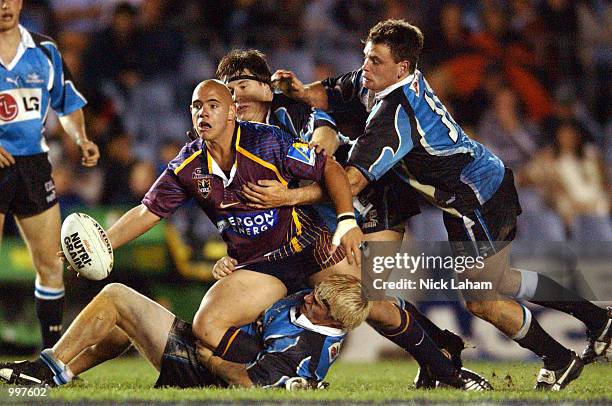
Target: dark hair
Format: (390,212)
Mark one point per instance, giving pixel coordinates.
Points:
(403,39)
(237,61)
(575,125)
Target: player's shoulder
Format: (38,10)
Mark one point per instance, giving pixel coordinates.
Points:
(259,137)
(186,155)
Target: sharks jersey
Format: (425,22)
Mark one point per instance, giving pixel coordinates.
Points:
(292,345)
(408,131)
(33,82)
(262,152)
(297,118)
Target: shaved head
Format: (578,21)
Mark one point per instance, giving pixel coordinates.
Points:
(213,113)
(213,87)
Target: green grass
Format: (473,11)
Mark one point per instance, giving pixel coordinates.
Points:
(131,379)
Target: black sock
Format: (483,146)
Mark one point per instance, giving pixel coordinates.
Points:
(238,346)
(412,338)
(49,313)
(433,331)
(551,294)
(554,355)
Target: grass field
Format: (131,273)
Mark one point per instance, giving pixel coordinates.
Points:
(131,380)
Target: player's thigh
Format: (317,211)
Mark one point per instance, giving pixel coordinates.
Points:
(42,234)
(235,300)
(384,235)
(146,322)
(342,267)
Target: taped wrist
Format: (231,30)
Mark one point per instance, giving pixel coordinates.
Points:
(346,221)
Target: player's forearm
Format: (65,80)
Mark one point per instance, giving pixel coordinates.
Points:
(132,224)
(305,195)
(232,373)
(337,186)
(315,95)
(74,125)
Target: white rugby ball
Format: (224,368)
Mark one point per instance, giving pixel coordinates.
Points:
(86,246)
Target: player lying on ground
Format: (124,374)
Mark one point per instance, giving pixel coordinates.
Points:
(299,336)
(410,132)
(382,209)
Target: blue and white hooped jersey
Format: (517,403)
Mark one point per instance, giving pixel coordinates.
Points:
(292,345)
(410,132)
(33,82)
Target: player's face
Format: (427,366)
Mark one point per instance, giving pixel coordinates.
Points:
(9,14)
(379,69)
(211,111)
(317,311)
(251,98)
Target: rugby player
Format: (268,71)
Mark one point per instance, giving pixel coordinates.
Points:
(248,77)
(409,132)
(298,336)
(33,78)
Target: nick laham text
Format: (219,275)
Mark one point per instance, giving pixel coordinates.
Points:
(432,284)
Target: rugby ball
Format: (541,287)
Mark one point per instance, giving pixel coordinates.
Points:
(86,247)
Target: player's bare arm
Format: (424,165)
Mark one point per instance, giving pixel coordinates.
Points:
(131,225)
(348,232)
(313,94)
(74,125)
(233,373)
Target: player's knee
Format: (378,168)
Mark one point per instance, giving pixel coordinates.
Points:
(208,328)
(478,308)
(114,291)
(48,267)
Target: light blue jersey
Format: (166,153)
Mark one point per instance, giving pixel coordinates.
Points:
(410,132)
(33,82)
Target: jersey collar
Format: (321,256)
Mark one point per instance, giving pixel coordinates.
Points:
(384,93)
(302,321)
(213,166)
(25,42)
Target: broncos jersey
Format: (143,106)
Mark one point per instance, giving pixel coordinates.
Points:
(262,152)
(297,118)
(292,345)
(408,131)
(33,82)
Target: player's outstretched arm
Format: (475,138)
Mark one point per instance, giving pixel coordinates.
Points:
(232,373)
(131,225)
(74,125)
(313,94)
(347,232)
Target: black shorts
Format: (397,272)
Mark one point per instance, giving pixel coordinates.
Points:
(393,202)
(180,366)
(27,188)
(489,229)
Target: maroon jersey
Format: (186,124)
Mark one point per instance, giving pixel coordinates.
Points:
(262,152)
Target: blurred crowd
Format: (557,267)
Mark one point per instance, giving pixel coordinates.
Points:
(528,78)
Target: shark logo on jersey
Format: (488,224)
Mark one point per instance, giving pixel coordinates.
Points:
(302,153)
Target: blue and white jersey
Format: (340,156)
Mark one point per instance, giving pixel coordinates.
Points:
(410,132)
(297,118)
(293,346)
(34,81)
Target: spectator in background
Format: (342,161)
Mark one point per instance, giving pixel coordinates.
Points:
(81,16)
(142,175)
(117,165)
(504,130)
(113,56)
(571,174)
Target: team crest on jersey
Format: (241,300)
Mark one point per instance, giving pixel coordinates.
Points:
(203,182)
(300,152)
(334,351)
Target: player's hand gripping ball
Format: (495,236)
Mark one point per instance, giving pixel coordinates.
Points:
(86,247)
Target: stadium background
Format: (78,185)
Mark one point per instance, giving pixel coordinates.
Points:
(527,78)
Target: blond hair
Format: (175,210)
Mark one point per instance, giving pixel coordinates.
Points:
(348,303)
